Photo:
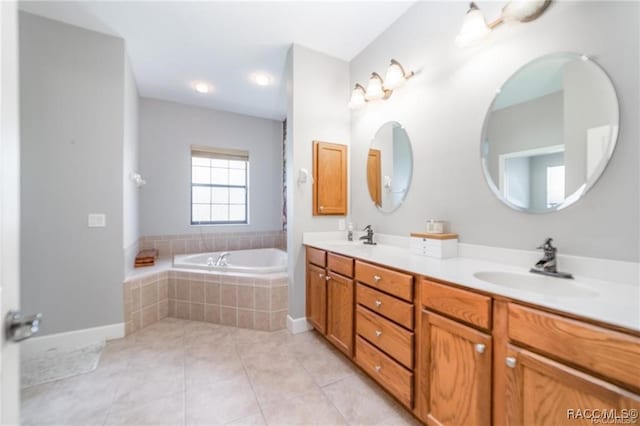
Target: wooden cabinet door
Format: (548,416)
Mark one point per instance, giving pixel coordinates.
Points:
(340,312)
(540,391)
(456,363)
(374,176)
(330,178)
(317,298)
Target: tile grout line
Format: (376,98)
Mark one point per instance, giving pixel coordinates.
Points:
(244,368)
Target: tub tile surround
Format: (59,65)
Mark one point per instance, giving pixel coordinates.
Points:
(616,298)
(170,245)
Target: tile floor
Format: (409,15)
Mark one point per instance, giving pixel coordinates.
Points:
(178,372)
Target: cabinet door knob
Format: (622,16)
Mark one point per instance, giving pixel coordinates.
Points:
(321,275)
(510,361)
(378,368)
(378,333)
(480,348)
(377,278)
(378,303)
(327,278)
(321,208)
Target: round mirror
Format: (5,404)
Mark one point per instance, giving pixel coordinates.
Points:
(389,166)
(550,133)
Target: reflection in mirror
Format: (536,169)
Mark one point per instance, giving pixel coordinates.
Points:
(389,166)
(549,133)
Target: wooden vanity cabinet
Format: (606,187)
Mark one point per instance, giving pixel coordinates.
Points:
(329,178)
(330,297)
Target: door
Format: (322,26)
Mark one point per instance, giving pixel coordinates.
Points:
(374,176)
(329,179)
(317,297)
(9,208)
(340,312)
(457,363)
(541,392)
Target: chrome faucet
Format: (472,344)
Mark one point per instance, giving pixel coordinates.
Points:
(368,239)
(222,259)
(548,265)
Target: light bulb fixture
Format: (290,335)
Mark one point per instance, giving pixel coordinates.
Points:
(474,26)
(357,97)
(202,87)
(261,79)
(396,75)
(375,88)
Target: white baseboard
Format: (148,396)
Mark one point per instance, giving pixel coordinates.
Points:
(72,339)
(298,325)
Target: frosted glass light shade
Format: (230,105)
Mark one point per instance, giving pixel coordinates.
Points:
(374,88)
(395,76)
(357,97)
(474,27)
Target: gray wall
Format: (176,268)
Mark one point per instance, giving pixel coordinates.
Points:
(443,110)
(130,192)
(318,96)
(167,131)
(72,97)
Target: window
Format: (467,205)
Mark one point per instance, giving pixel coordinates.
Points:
(219,190)
(555,185)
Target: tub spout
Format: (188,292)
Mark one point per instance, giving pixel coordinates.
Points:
(222,259)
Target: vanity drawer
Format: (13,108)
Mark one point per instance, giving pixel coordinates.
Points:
(317,256)
(610,353)
(383,369)
(466,306)
(392,282)
(388,306)
(340,264)
(391,338)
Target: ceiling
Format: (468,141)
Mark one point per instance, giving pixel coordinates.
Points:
(172,44)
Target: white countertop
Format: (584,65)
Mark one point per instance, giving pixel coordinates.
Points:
(609,302)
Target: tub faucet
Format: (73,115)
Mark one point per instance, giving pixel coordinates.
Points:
(368,239)
(222,259)
(548,265)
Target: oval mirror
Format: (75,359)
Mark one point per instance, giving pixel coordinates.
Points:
(550,133)
(389,166)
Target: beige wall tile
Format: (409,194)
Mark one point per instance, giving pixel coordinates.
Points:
(228,316)
(172,288)
(279,298)
(212,293)
(135,299)
(212,313)
(196,291)
(172,307)
(245,297)
(163,308)
(182,289)
(149,294)
(262,296)
(149,315)
(228,295)
(245,318)
(278,320)
(178,247)
(261,320)
(163,246)
(196,312)
(182,309)
(163,289)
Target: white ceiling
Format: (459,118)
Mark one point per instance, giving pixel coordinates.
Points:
(171,44)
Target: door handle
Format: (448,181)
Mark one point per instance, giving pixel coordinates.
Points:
(18,328)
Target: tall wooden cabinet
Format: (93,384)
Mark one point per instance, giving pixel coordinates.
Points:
(317,297)
(329,178)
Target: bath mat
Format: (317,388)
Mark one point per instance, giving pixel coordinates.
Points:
(56,364)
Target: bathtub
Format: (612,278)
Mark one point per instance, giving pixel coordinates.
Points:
(255,261)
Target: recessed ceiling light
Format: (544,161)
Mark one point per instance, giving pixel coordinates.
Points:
(202,87)
(261,79)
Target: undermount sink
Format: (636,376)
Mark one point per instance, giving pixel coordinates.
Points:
(536,283)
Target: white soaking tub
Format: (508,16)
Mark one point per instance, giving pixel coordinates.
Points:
(255,261)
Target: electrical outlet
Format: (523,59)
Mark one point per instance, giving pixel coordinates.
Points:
(97,220)
(341,225)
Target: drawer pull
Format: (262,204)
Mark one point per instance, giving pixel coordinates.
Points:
(378,303)
(510,361)
(327,278)
(378,368)
(480,348)
(378,333)
(377,278)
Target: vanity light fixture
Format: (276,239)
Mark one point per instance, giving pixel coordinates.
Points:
(379,88)
(474,26)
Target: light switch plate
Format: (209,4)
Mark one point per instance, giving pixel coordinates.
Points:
(341,225)
(97,220)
